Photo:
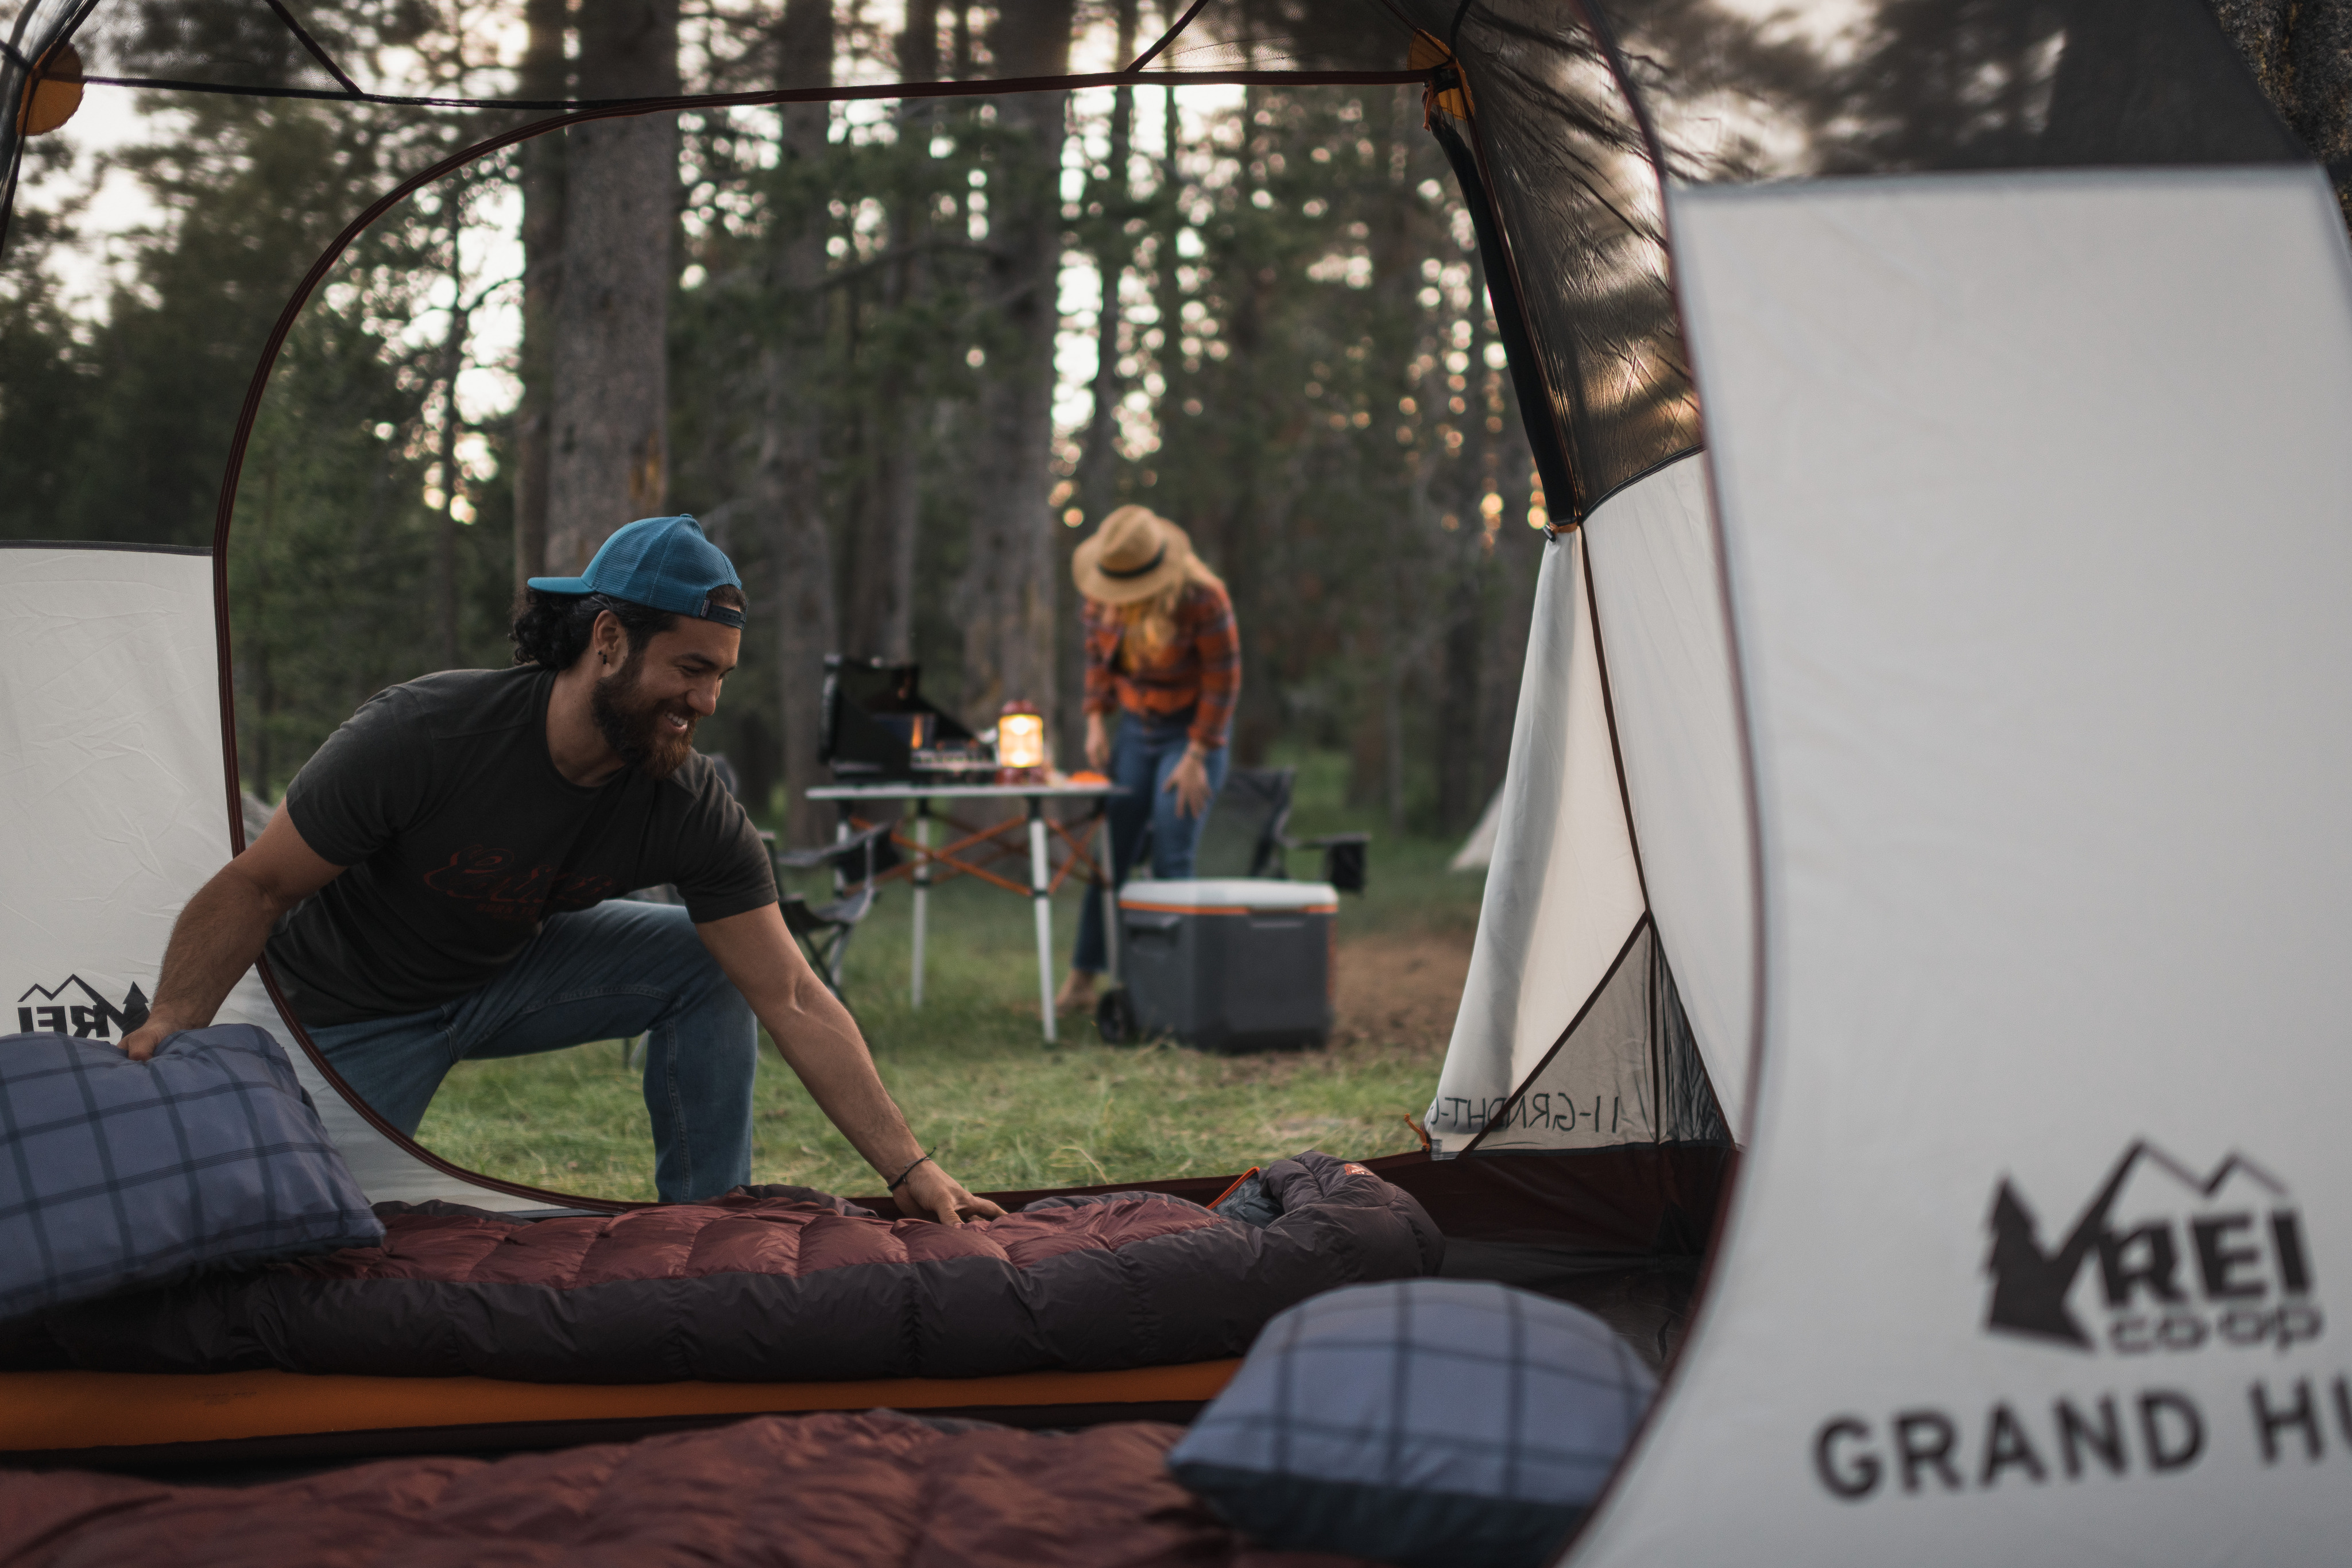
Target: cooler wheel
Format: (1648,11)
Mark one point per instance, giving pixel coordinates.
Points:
(1114,1017)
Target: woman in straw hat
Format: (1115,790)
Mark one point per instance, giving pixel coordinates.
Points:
(1162,654)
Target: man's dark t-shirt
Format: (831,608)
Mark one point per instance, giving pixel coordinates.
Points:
(460,836)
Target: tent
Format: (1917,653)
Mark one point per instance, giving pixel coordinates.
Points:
(1989,658)
(1477,850)
(1926,780)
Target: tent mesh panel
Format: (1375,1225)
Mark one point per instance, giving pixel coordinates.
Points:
(1571,185)
(1685,1097)
(1627,1071)
(1909,86)
(242,45)
(1740,94)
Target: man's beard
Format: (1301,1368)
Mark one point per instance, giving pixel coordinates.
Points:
(636,727)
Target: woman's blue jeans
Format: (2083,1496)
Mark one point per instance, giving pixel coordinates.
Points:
(1142,757)
(621,969)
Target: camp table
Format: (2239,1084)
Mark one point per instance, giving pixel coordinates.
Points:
(1045,878)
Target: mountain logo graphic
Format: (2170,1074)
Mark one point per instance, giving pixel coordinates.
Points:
(54,1010)
(2183,1261)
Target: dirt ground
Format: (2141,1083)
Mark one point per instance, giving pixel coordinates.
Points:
(1399,990)
(1396,994)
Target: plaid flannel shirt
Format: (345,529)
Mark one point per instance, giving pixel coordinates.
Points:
(1200,668)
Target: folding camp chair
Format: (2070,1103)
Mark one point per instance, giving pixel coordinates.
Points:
(1244,833)
(824,929)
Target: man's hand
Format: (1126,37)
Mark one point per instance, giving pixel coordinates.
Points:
(1097,742)
(1190,779)
(221,932)
(820,1042)
(929,1192)
(142,1042)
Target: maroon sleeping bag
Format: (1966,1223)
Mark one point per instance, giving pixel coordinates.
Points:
(768,1284)
(876,1490)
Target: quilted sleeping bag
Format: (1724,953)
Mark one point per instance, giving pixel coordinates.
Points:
(880,1491)
(768,1284)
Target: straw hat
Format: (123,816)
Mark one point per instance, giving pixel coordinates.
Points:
(1133,555)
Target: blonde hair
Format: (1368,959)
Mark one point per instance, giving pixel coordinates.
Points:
(1151,622)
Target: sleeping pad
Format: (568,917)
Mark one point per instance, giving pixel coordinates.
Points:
(767,1284)
(873,1490)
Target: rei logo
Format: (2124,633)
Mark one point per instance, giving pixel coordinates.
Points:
(2161,1260)
(63,1009)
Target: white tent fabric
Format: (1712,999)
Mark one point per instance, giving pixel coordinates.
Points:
(1562,900)
(1477,850)
(1667,651)
(2035,489)
(113,783)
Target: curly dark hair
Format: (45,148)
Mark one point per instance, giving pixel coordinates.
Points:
(551,630)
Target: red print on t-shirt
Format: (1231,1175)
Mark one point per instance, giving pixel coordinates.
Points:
(495,883)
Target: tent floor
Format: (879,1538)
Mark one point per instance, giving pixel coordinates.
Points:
(1647,1301)
(186,1424)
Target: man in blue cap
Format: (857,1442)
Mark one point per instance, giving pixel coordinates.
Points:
(441,884)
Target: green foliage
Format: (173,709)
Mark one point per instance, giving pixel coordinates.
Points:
(46,386)
(1331,429)
(1293,275)
(124,422)
(329,571)
(1299,365)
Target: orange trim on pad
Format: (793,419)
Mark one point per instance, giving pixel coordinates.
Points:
(41,1411)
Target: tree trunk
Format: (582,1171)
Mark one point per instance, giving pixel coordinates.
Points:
(1099,463)
(1468,544)
(1376,769)
(1457,713)
(444,533)
(610,456)
(1109,202)
(1519,556)
(1006,597)
(543,76)
(1392,727)
(882,589)
(882,586)
(787,481)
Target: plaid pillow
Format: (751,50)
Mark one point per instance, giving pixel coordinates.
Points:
(1420,1421)
(116,1173)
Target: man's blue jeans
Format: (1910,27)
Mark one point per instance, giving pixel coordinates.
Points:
(1142,757)
(620,969)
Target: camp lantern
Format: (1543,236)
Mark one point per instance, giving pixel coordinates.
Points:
(1020,741)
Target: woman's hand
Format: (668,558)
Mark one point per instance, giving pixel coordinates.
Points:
(1097,742)
(1190,779)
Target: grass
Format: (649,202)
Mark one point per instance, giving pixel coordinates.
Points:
(972,1075)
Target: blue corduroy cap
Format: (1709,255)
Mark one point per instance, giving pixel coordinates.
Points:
(663,563)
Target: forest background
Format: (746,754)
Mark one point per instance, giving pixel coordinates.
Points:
(900,356)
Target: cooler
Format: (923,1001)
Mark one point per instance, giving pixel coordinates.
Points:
(1232,965)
